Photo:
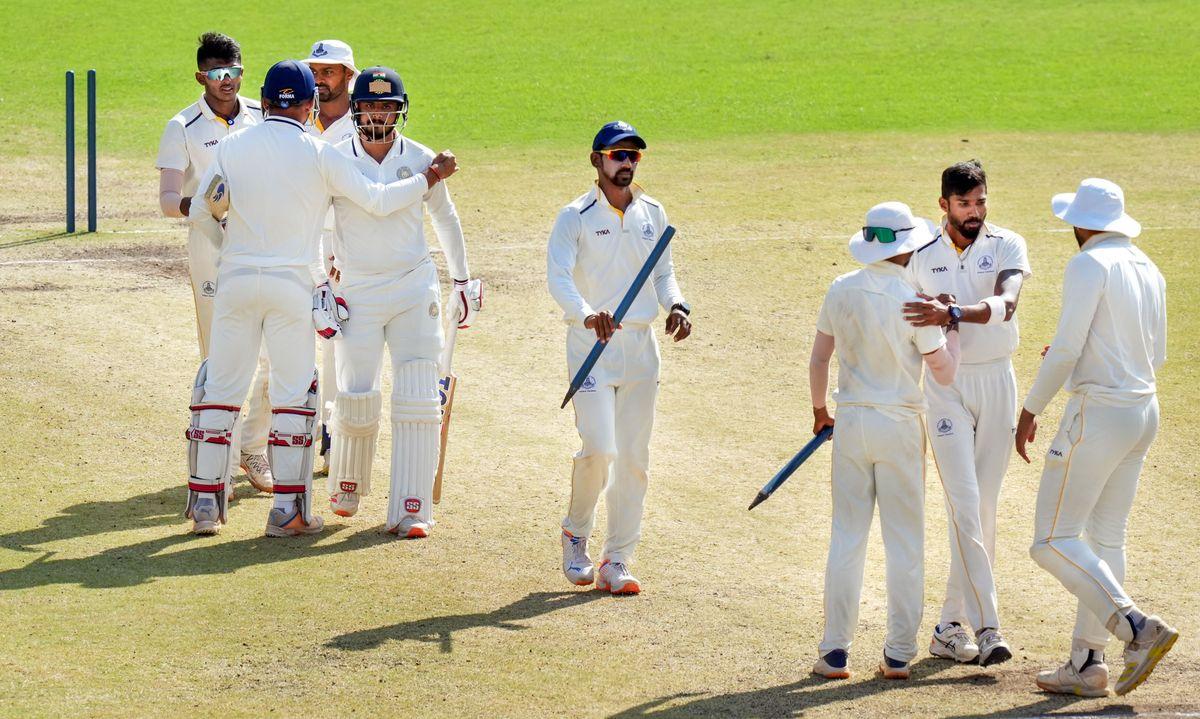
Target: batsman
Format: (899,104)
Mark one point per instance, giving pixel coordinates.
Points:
(599,243)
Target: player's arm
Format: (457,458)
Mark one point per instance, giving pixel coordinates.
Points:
(818,379)
(562,251)
(467,298)
(1000,307)
(172,163)
(343,179)
(943,361)
(670,297)
(1160,332)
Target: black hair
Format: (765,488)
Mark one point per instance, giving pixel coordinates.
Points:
(962,177)
(217,46)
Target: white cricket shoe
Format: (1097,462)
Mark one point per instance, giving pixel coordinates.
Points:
(258,471)
(1142,654)
(1092,681)
(894,668)
(344,504)
(576,564)
(411,527)
(992,648)
(206,517)
(290,523)
(951,641)
(834,665)
(614,577)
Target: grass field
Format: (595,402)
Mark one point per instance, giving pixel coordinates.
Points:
(766,165)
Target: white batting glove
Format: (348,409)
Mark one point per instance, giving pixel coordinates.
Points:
(465,301)
(329,311)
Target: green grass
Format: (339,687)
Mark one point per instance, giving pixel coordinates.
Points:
(485,74)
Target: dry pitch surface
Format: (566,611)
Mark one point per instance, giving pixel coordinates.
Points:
(108,607)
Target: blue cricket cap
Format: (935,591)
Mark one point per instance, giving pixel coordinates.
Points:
(289,82)
(614,132)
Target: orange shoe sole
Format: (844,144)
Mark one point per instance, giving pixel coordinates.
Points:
(833,675)
(343,513)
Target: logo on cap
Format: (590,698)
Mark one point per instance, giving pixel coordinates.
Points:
(379,85)
(287,93)
(623,126)
(319,50)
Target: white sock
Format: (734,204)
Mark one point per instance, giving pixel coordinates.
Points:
(211,496)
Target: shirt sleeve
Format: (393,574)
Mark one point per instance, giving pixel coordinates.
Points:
(663,277)
(342,179)
(1083,286)
(928,339)
(561,254)
(1160,334)
(172,148)
(449,230)
(1013,255)
(824,323)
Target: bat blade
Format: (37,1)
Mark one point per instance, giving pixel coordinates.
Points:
(446,387)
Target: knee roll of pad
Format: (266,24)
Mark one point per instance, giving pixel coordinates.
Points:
(210,447)
(355,429)
(289,449)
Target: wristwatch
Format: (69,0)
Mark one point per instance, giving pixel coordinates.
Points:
(683,307)
(955,313)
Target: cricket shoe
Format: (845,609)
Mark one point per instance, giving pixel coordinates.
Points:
(834,665)
(992,648)
(576,564)
(258,471)
(1151,644)
(614,577)
(344,504)
(206,517)
(951,641)
(290,523)
(411,527)
(893,668)
(1091,681)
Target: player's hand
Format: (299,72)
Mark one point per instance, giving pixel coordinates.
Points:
(1045,350)
(466,301)
(1026,432)
(603,325)
(185,205)
(678,325)
(821,419)
(945,298)
(928,312)
(445,164)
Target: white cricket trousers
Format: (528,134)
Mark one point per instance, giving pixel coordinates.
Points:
(970,428)
(614,413)
(202,266)
(877,455)
(1083,504)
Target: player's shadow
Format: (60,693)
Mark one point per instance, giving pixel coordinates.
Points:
(440,630)
(180,555)
(153,509)
(794,699)
(1046,705)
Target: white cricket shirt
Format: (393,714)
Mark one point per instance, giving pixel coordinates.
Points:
(595,252)
(281,181)
(1112,334)
(190,139)
(938,268)
(879,353)
(395,243)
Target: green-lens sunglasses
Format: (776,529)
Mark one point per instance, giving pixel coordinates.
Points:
(884,235)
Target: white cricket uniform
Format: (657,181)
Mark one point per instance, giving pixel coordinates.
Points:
(189,144)
(280,181)
(390,283)
(970,423)
(594,253)
(878,451)
(1111,339)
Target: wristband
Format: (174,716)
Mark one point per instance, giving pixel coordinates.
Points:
(998,308)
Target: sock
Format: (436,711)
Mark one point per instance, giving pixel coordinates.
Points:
(1136,620)
(207,496)
(1083,656)
(286,502)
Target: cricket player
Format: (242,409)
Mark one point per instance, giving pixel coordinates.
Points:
(274,181)
(599,243)
(973,272)
(1111,340)
(390,281)
(332,63)
(187,147)
(879,439)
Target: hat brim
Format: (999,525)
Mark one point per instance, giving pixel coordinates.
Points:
(1063,207)
(910,241)
(625,136)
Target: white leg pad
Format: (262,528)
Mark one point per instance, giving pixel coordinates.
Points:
(289,449)
(416,428)
(210,447)
(355,428)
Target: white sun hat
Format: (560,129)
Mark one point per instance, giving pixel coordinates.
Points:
(910,233)
(331,52)
(1097,205)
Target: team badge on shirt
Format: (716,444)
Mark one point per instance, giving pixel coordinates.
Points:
(986,264)
(208,288)
(404,172)
(647,231)
(945,427)
(589,384)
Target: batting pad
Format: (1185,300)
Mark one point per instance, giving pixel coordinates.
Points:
(355,428)
(416,426)
(210,447)
(289,449)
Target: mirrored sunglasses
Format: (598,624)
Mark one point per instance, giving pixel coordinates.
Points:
(622,155)
(883,235)
(221,73)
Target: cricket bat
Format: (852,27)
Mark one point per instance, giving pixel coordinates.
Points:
(446,384)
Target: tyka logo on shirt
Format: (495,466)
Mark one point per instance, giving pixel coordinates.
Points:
(986,264)
(945,427)
(940,269)
(599,233)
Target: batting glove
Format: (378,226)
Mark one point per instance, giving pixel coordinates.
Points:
(329,311)
(466,301)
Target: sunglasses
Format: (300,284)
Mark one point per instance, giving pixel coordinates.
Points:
(622,155)
(222,73)
(885,235)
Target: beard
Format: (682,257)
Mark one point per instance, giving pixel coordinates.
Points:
(968,228)
(623,178)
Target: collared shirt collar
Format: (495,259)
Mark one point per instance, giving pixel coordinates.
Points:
(635,188)
(285,120)
(208,112)
(396,150)
(1114,237)
(316,121)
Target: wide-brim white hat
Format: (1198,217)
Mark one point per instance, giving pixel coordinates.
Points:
(912,233)
(331,52)
(1097,205)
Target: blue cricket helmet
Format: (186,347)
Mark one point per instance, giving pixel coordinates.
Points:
(289,82)
(378,83)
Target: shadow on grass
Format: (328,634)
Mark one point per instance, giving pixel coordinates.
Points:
(790,700)
(440,630)
(36,240)
(180,555)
